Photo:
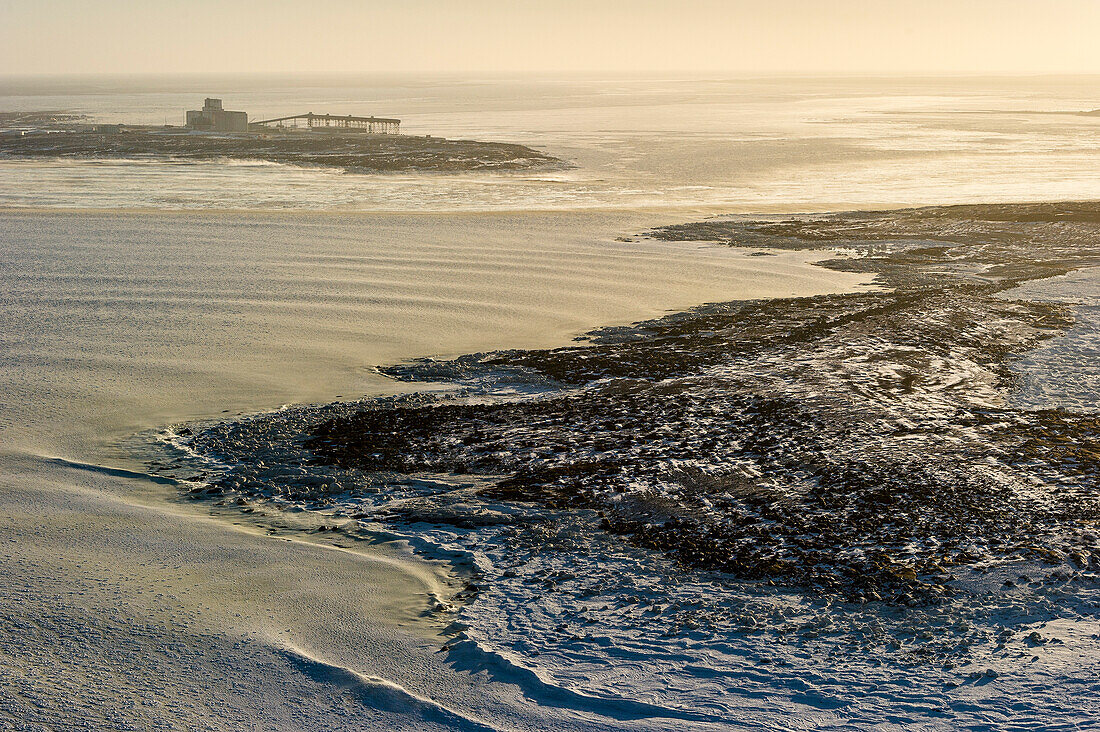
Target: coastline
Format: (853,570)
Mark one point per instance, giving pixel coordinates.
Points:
(484,677)
(413,457)
(638,442)
(192,574)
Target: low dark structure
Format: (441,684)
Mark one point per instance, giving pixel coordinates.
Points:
(358,153)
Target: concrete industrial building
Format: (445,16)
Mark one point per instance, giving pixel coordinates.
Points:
(215,119)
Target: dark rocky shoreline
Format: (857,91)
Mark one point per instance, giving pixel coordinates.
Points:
(356,153)
(861,445)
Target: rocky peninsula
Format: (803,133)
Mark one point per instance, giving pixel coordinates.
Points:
(863,444)
(762,484)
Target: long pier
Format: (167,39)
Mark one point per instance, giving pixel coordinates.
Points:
(375,125)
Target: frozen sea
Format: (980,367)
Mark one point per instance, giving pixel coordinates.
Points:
(135,295)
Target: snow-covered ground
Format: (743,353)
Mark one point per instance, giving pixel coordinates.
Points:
(1065,371)
(978,606)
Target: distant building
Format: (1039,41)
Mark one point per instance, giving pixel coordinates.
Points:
(215,119)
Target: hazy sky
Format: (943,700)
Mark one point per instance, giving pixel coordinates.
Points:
(151,36)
